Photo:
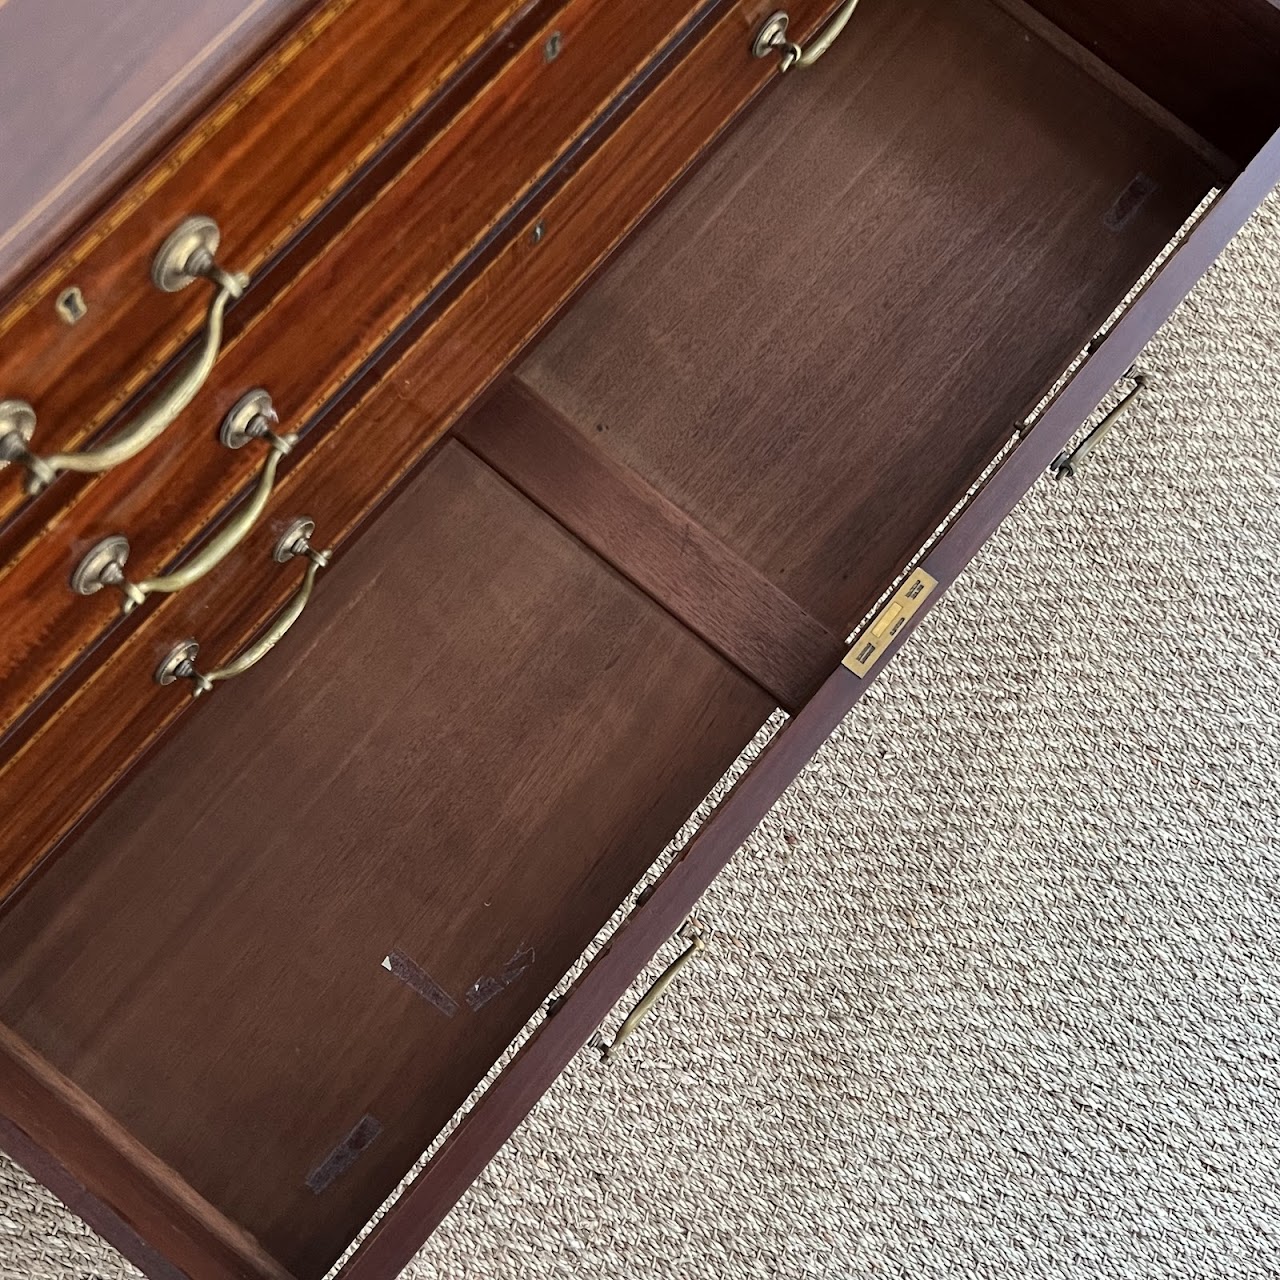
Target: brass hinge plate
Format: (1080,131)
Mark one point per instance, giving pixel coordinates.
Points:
(907,601)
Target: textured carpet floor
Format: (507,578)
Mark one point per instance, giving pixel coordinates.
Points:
(996,990)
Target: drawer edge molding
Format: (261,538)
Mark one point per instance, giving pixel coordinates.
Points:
(54,1176)
(127,1184)
(208,487)
(482,1132)
(223,111)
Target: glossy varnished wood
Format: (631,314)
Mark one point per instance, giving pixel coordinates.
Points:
(303,348)
(478,740)
(761,631)
(100,720)
(86,88)
(831,332)
(589,207)
(355,71)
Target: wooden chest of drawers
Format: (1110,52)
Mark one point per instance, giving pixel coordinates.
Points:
(602,381)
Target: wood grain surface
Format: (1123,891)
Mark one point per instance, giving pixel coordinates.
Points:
(303,348)
(497,1114)
(261,161)
(593,211)
(391,1245)
(86,89)
(467,753)
(831,332)
(101,717)
(1211,62)
(764,633)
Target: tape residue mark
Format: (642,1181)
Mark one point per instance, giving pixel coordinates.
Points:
(418,980)
(344,1155)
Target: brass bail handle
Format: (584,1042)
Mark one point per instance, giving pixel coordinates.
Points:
(254,417)
(644,1006)
(1068,463)
(772,38)
(186,256)
(179,662)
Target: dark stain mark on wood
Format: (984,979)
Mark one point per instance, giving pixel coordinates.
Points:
(344,1155)
(1130,202)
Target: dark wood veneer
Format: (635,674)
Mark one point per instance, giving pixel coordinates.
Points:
(499,1112)
(651,541)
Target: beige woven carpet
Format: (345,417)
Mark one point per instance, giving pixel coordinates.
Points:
(996,991)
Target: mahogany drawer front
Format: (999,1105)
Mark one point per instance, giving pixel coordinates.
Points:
(261,161)
(322,327)
(385,843)
(481,741)
(340,472)
(70,118)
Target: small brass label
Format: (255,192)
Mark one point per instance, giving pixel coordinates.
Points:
(907,601)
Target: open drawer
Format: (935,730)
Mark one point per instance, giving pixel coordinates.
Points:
(255,987)
(857,302)
(309,927)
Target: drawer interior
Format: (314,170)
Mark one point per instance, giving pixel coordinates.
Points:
(819,345)
(285,952)
(480,741)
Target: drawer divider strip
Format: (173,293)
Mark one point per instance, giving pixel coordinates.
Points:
(661,550)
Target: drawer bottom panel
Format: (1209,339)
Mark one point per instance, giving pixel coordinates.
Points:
(825,338)
(293,944)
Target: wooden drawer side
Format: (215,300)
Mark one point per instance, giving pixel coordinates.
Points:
(366,450)
(498,1113)
(924,232)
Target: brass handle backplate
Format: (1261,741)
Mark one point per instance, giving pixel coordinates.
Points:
(644,1006)
(179,662)
(252,418)
(186,256)
(772,38)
